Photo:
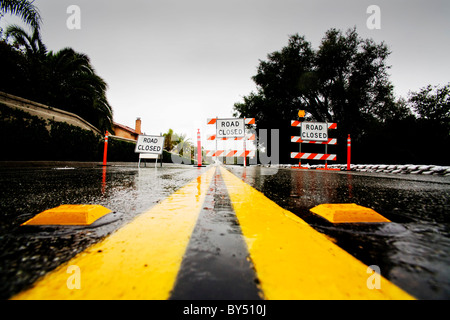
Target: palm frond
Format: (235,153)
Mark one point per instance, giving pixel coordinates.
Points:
(24,9)
(33,43)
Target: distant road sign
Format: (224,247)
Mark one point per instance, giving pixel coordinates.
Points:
(314,131)
(149,144)
(227,128)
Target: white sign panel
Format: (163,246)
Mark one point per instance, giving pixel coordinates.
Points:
(228,128)
(148,156)
(314,131)
(149,144)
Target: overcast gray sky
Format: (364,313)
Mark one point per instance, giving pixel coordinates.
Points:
(175,63)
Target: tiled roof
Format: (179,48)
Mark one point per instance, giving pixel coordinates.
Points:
(131,130)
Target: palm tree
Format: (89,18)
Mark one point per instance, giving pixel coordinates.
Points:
(181,143)
(32,45)
(64,80)
(75,87)
(168,141)
(24,9)
(34,52)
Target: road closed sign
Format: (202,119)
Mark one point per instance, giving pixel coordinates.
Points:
(228,128)
(149,144)
(314,131)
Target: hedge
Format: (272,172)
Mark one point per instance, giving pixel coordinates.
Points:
(26,137)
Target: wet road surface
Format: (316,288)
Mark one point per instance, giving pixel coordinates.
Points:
(412,251)
(217,255)
(27,253)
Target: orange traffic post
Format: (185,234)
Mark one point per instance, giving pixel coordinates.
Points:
(105,149)
(199,149)
(349,146)
(245,153)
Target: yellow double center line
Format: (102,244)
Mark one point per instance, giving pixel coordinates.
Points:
(294,261)
(138,261)
(142,259)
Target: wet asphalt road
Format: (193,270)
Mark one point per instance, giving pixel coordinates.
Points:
(26,253)
(412,251)
(216,265)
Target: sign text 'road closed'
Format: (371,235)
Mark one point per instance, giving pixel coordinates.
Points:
(227,128)
(149,144)
(314,131)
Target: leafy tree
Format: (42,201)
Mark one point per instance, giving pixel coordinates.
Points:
(345,81)
(431,129)
(278,79)
(168,140)
(182,144)
(433,103)
(173,140)
(24,9)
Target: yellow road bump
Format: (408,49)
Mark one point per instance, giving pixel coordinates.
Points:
(292,260)
(138,261)
(347,212)
(66,214)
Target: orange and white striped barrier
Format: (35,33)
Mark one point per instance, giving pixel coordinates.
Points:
(296,123)
(312,156)
(300,140)
(250,137)
(230,153)
(246,120)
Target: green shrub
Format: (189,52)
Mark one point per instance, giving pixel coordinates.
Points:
(120,150)
(26,137)
(22,136)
